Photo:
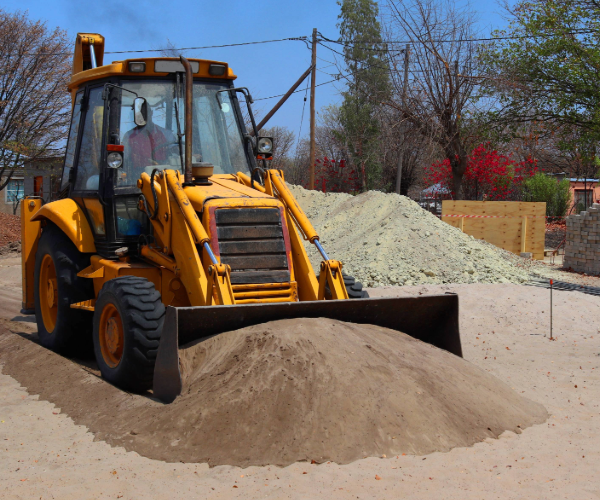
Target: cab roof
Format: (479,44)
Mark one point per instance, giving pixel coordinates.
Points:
(122,68)
(83,73)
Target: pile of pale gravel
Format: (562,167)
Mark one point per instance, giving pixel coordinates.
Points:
(387,239)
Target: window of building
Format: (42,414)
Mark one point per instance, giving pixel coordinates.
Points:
(583,199)
(14,190)
(38,186)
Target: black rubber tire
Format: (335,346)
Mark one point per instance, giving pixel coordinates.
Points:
(353,287)
(142,313)
(72,334)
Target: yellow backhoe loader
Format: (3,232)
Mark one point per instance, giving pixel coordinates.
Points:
(169,228)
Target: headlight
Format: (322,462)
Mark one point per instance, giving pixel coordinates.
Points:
(137,66)
(265,145)
(114,160)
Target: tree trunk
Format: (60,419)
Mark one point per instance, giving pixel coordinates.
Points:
(458,161)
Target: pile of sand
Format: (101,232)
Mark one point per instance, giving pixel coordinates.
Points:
(287,391)
(387,239)
(10,229)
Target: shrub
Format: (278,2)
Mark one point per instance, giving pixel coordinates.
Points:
(542,187)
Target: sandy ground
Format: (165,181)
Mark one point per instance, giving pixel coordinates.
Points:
(504,330)
(294,390)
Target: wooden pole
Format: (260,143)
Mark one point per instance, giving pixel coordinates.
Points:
(523,234)
(270,114)
(312,108)
(402,135)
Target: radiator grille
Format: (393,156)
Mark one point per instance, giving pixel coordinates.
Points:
(251,242)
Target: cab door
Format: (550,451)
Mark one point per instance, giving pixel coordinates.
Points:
(87,175)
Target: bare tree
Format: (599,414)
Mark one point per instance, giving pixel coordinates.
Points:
(34,103)
(401,143)
(442,73)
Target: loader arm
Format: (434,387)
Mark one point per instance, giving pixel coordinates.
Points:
(179,232)
(330,270)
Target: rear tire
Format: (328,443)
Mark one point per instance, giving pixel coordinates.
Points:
(128,321)
(353,287)
(57,286)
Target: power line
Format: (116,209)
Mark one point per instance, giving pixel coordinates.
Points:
(301,39)
(302,118)
(296,91)
(459,40)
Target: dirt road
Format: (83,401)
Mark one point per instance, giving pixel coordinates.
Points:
(503,329)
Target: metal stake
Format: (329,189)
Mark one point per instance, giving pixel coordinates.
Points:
(551,287)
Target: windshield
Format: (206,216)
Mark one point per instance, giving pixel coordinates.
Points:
(217,138)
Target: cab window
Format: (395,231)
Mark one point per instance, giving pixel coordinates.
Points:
(90,153)
(72,144)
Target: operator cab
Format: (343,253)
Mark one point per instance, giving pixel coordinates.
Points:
(133,122)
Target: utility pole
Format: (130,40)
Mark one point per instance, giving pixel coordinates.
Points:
(312,108)
(402,135)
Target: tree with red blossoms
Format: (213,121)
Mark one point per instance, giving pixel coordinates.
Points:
(489,175)
(336,176)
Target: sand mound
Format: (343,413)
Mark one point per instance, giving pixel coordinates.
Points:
(387,239)
(286,391)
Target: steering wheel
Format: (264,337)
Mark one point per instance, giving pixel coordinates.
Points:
(166,145)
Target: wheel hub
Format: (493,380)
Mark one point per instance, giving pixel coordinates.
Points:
(111,335)
(48,293)
(51,293)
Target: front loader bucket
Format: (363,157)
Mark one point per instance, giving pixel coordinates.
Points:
(432,319)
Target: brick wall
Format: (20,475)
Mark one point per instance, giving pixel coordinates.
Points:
(582,250)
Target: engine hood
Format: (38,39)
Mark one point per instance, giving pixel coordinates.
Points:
(229,191)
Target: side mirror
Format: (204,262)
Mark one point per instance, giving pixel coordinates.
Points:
(140,111)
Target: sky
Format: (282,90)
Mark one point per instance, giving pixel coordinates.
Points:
(266,69)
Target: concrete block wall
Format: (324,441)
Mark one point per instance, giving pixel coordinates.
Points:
(582,249)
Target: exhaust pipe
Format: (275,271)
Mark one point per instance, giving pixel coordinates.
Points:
(189,94)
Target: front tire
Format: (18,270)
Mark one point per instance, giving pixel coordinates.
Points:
(128,321)
(57,286)
(353,287)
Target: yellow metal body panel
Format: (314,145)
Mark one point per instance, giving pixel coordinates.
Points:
(30,235)
(96,213)
(121,68)
(193,274)
(188,211)
(86,305)
(162,223)
(116,268)
(331,274)
(82,51)
(245,179)
(229,183)
(308,286)
(91,272)
(166,282)
(69,217)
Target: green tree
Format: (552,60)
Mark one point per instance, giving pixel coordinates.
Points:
(546,68)
(557,195)
(368,85)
